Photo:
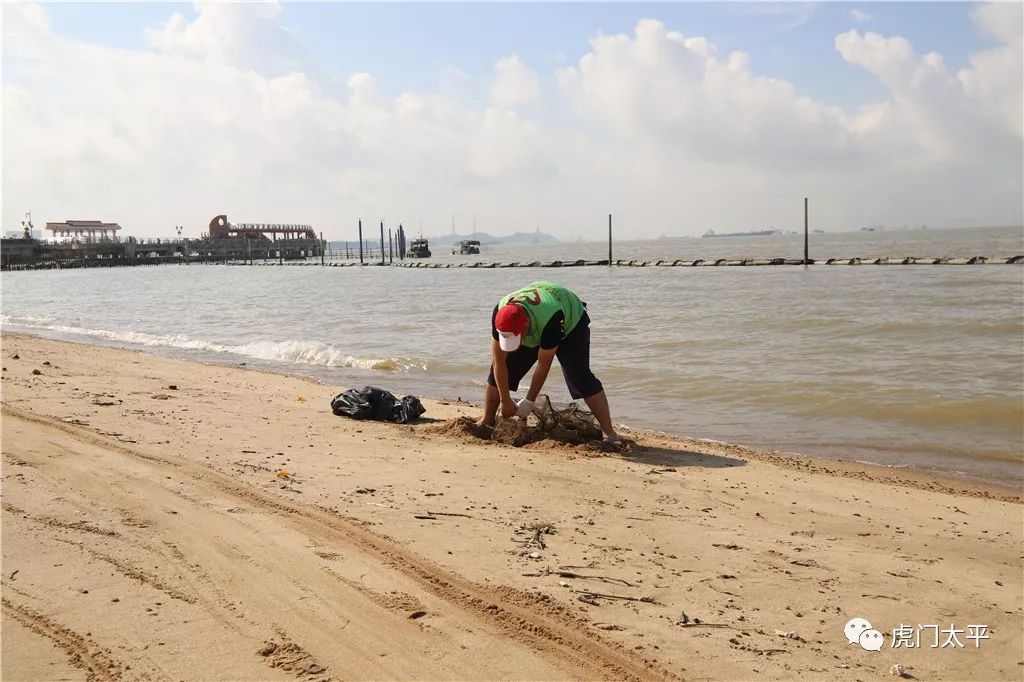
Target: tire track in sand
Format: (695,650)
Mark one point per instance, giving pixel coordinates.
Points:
(79,526)
(81,652)
(534,620)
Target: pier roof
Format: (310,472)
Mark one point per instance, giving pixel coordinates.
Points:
(82,227)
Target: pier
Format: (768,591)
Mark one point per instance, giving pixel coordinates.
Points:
(89,246)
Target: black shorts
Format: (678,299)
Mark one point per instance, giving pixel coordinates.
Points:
(573,355)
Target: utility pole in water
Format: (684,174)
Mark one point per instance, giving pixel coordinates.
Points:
(609,240)
(806,260)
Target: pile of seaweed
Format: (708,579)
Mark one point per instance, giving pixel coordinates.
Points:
(568,425)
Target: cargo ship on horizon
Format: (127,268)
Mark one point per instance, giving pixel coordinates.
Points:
(758,233)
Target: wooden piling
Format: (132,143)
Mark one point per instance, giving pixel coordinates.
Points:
(391,249)
(321,249)
(806,259)
(382,242)
(609,239)
(360,242)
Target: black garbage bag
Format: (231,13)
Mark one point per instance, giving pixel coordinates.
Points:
(370,402)
(408,409)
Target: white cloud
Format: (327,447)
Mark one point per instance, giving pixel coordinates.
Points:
(677,95)
(657,126)
(949,117)
(994,80)
(1003,20)
(515,84)
(154,139)
(243,35)
(859,15)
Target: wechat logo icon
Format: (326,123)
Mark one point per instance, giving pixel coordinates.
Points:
(859,631)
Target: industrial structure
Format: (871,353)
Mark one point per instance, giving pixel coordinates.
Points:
(220,228)
(250,241)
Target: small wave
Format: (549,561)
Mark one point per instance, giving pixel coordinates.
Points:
(291,351)
(883,465)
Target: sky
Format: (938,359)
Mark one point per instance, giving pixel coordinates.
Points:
(675,117)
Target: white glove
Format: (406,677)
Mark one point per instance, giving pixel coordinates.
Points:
(525,407)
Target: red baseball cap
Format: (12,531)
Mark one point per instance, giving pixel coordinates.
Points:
(510,323)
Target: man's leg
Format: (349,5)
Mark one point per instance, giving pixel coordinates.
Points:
(491,403)
(598,404)
(574,357)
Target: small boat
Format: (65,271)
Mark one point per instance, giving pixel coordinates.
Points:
(467,247)
(418,248)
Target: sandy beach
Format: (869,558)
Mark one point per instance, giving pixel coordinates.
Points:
(171,520)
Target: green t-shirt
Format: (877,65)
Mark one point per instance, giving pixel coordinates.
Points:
(542,301)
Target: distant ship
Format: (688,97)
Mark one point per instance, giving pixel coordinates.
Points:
(467,247)
(418,248)
(759,233)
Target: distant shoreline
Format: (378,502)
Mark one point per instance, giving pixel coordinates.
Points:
(449,240)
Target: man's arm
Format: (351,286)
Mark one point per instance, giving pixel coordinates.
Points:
(544,358)
(550,337)
(498,357)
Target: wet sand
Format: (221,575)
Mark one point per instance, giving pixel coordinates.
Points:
(167,519)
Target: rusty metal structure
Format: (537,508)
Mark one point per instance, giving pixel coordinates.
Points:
(251,241)
(221,228)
